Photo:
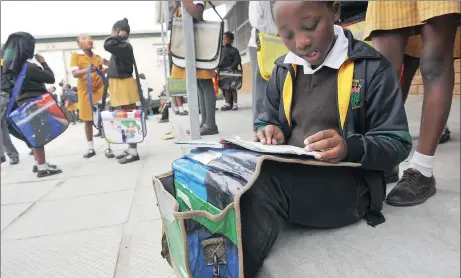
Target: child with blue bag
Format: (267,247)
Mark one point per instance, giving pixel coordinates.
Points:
(82,61)
(32,114)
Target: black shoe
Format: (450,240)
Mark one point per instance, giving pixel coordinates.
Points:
(235,107)
(14,160)
(109,153)
(183,113)
(413,189)
(445,136)
(188,131)
(3,159)
(35,168)
(392,176)
(161,121)
(122,155)
(205,130)
(226,107)
(89,153)
(176,112)
(49,172)
(128,158)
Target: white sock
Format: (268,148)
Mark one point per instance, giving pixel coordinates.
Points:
(175,109)
(132,151)
(181,109)
(42,167)
(90,145)
(108,145)
(423,163)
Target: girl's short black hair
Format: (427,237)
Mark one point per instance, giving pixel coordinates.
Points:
(229,35)
(122,25)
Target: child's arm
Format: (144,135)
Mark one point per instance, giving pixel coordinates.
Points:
(268,124)
(40,75)
(387,141)
(118,46)
(77,72)
(236,58)
(194,8)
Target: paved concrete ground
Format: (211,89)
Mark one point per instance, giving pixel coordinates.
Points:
(99,219)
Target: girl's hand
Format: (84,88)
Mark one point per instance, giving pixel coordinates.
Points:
(330,145)
(39,58)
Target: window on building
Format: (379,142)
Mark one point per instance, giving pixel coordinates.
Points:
(161,51)
(237,23)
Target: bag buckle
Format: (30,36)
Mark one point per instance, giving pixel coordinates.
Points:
(215,266)
(215,253)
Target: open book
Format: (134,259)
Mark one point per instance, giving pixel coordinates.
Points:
(268,149)
(260,148)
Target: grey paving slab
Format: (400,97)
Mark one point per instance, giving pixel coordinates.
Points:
(27,192)
(145,259)
(85,254)
(88,185)
(100,165)
(65,215)
(145,205)
(10,212)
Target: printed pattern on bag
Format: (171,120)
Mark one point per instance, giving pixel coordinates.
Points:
(40,120)
(124,127)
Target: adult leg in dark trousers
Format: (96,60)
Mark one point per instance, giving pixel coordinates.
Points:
(298,194)
(438,36)
(6,145)
(207,101)
(259,84)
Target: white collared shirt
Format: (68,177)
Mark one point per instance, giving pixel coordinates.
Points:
(81,52)
(334,59)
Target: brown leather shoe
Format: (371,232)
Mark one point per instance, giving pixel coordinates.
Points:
(413,189)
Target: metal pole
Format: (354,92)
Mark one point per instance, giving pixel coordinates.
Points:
(166,17)
(165,62)
(191,74)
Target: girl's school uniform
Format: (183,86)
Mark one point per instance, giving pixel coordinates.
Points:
(80,60)
(122,85)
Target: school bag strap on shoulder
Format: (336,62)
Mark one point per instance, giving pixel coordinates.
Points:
(138,84)
(17,88)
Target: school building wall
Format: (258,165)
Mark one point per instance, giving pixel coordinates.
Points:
(147,50)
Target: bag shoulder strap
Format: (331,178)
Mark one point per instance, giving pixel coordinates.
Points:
(17,88)
(138,83)
(214,9)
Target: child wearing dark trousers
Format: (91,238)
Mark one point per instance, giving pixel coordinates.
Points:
(229,62)
(338,97)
